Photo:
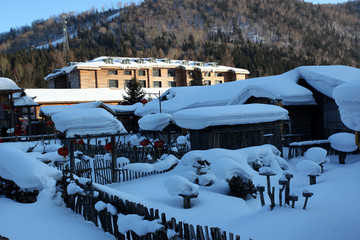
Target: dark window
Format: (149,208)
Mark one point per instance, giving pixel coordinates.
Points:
(157,84)
(113,72)
(142,83)
(207,82)
(113,83)
(207,74)
(171,72)
(218,74)
(172,84)
(157,73)
(127,72)
(218,81)
(142,73)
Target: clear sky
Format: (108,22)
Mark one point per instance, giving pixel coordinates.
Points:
(17,13)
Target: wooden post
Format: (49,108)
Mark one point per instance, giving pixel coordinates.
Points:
(113,158)
(72,157)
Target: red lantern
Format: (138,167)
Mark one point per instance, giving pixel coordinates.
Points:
(159,144)
(144,101)
(63,151)
(80,142)
(5,107)
(108,147)
(49,123)
(144,142)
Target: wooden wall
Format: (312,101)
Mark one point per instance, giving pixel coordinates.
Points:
(237,136)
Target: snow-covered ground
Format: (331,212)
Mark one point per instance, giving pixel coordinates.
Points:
(332,213)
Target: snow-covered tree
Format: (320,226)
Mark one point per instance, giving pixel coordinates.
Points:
(134,92)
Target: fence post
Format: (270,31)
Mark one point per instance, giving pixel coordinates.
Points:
(113,158)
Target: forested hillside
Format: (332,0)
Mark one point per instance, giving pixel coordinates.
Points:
(264,36)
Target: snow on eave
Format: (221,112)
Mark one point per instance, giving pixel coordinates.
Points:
(200,118)
(25,101)
(51,110)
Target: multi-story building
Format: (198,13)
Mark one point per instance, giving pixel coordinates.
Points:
(114,72)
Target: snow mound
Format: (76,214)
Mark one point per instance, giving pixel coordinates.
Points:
(122,161)
(163,164)
(316,154)
(344,142)
(181,140)
(226,169)
(308,167)
(178,185)
(191,158)
(26,171)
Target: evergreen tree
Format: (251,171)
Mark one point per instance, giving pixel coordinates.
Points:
(134,92)
(196,78)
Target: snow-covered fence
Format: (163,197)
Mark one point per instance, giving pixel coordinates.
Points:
(103,173)
(96,205)
(299,148)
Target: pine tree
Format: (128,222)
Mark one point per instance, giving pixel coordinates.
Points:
(134,92)
(197,78)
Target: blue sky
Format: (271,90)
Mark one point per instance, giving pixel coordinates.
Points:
(17,13)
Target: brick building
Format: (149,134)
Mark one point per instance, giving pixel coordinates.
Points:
(114,72)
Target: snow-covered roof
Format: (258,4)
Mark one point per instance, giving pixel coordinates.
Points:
(25,101)
(87,123)
(155,122)
(83,95)
(51,110)
(284,86)
(6,84)
(347,98)
(200,118)
(134,63)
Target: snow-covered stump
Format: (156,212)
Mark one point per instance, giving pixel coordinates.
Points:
(187,198)
(268,172)
(313,178)
(293,199)
(306,195)
(342,157)
(288,177)
(283,183)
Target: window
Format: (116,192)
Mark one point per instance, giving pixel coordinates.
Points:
(207,74)
(141,73)
(113,83)
(172,84)
(157,72)
(125,61)
(218,81)
(142,83)
(171,72)
(157,84)
(113,72)
(108,60)
(218,74)
(127,72)
(207,82)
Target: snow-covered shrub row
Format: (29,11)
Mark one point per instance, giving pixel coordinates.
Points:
(164,163)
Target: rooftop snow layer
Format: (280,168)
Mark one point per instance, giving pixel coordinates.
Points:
(24,101)
(8,84)
(87,122)
(200,118)
(284,86)
(51,110)
(155,122)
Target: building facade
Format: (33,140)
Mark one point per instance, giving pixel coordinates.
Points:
(115,72)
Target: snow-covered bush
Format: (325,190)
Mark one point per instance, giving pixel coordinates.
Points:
(137,224)
(179,185)
(165,163)
(122,161)
(317,155)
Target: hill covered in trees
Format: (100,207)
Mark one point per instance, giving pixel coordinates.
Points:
(264,36)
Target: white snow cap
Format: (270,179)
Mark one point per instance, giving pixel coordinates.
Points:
(344,142)
(200,118)
(137,224)
(226,169)
(316,154)
(87,122)
(308,167)
(8,84)
(348,99)
(179,185)
(155,122)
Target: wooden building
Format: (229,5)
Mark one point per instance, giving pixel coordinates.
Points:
(115,72)
(233,127)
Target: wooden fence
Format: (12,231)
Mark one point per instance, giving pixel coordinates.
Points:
(297,149)
(84,204)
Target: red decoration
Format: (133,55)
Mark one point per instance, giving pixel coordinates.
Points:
(144,101)
(49,123)
(5,107)
(63,151)
(108,147)
(17,132)
(159,144)
(80,142)
(144,142)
